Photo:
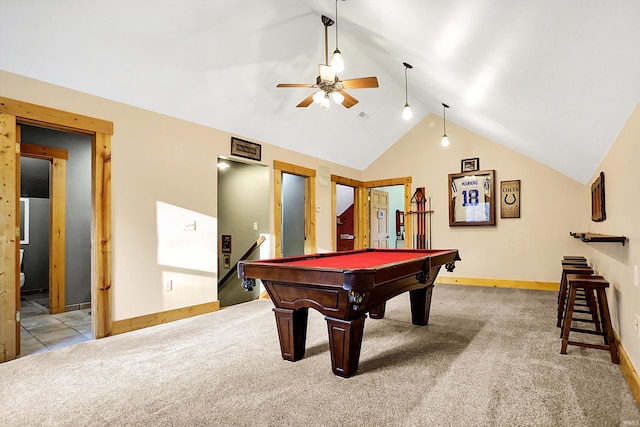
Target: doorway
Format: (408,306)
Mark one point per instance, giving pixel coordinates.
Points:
(307,178)
(13,114)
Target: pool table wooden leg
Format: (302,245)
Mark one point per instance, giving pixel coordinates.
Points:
(421,305)
(378,312)
(292,331)
(345,341)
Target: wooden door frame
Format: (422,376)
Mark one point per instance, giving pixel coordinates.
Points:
(309,176)
(361,205)
(406,182)
(12,114)
(358,192)
(57,225)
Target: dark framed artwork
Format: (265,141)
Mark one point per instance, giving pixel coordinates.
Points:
(472,198)
(470,165)
(246,149)
(598,212)
(226,261)
(226,243)
(510,199)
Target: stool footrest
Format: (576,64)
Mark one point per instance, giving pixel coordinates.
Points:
(587,331)
(584,344)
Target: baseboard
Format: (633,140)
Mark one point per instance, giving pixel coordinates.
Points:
(264,294)
(629,371)
(128,325)
(497,283)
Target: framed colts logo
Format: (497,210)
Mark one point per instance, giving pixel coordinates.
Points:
(510,199)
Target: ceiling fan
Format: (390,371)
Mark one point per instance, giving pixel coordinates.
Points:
(329,85)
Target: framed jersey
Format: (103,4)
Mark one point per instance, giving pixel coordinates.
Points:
(472,198)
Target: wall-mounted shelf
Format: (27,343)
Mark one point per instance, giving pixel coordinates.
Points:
(595,237)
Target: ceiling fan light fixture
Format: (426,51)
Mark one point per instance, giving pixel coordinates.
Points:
(445,138)
(407,114)
(325,103)
(337,97)
(318,96)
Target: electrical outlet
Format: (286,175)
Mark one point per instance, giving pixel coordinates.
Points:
(168,285)
(635,275)
(255,226)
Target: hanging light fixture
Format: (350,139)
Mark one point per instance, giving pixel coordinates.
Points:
(337,62)
(445,139)
(406,111)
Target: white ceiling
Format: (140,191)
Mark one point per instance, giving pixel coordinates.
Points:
(552,79)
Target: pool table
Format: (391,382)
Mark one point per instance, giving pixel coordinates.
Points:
(344,286)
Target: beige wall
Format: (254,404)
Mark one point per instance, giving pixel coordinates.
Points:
(526,248)
(614,261)
(163,172)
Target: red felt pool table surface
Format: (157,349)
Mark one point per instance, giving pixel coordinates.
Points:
(358,259)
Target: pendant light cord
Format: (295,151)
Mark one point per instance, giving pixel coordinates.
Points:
(336,24)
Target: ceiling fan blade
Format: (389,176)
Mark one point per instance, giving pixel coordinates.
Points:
(349,101)
(326,73)
(360,83)
(294,85)
(306,102)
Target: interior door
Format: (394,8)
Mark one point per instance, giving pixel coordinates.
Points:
(379,218)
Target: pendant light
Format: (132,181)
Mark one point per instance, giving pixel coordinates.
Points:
(337,62)
(407,114)
(445,139)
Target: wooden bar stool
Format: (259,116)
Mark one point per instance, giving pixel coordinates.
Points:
(562,292)
(591,284)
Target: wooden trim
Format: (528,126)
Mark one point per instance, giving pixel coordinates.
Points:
(310,246)
(408,224)
(53,119)
(293,169)
(628,370)
(41,152)
(101,241)
(388,182)
(309,204)
(277,212)
(12,114)
(346,181)
(499,283)
(57,242)
(135,323)
(334,226)
(9,241)
(362,218)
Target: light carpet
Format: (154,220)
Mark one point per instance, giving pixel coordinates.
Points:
(489,357)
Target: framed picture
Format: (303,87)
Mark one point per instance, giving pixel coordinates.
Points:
(510,199)
(472,198)
(598,212)
(226,243)
(246,149)
(226,261)
(470,165)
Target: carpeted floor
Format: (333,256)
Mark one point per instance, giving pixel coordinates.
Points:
(489,357)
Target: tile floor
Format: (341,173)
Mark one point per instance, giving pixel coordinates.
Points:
(41,331)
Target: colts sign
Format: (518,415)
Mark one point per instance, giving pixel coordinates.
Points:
(510,199)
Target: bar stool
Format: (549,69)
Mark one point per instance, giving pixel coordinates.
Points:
(590,284)
(562,292)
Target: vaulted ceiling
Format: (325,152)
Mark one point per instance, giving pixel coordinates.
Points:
(553,80)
